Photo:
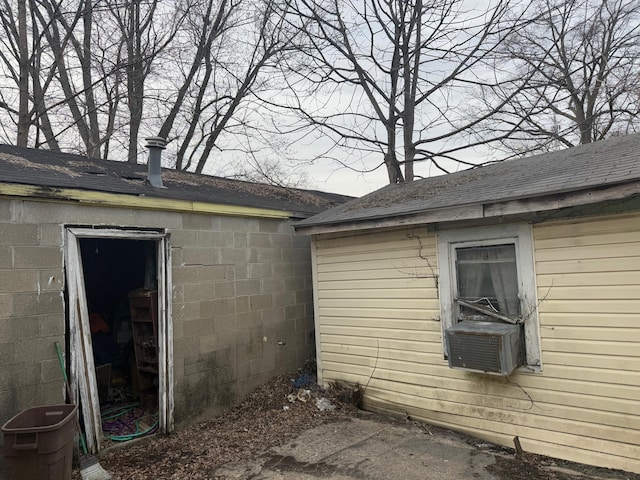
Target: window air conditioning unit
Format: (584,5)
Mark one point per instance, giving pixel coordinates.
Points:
(487,347)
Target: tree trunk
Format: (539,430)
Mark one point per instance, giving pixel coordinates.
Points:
(23,52)
(93,149)
(135,79)
(586,131)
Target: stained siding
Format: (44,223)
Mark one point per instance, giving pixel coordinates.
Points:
(376,314)
(378,324)
(588,273)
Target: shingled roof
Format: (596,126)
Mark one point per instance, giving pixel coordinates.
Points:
(615,161)
(55,170)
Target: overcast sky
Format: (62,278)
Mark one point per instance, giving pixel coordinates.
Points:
(331,177)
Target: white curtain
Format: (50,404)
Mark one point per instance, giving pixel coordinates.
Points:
(504,276)
(488,275)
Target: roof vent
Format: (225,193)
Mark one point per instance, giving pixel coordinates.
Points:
(154,170)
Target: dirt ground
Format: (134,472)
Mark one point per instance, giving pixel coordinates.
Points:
(276,413)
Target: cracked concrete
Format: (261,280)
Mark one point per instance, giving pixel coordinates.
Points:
(372,448)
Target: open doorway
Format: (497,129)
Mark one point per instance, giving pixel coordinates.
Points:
(119,333)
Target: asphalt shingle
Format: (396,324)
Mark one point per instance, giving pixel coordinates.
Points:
(605,163)
(57,170)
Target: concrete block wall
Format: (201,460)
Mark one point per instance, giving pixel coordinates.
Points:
(242,302)
(242,308)
(31,312)
(31,307)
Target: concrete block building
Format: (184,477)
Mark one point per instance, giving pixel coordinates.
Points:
(223,282)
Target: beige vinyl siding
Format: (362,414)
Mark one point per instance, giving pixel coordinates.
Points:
(588,273)
(378,323)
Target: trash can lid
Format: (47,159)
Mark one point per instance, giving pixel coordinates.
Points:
(40,419)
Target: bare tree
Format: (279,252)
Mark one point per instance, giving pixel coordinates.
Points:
(42,69)
(50,90)
(26,65)
(387,76)
(81,54)
(205,24)
(16,56)
(238,46)
(105,73)
(569,77)
(270,170)
(146,31)
(81,98)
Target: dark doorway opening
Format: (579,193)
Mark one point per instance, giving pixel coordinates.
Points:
(120,278)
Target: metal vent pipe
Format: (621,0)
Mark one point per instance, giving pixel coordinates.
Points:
(154,168)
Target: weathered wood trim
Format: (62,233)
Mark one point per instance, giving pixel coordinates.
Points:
(316,309)
(165,332)
(470,212)
(83,369)
(83,373)
(84,232)
(492,210)
(561,200)
(105,199)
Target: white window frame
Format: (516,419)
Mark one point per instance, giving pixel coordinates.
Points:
(521,236)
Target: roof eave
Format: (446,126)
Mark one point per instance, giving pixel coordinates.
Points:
(493,210)
(105,199)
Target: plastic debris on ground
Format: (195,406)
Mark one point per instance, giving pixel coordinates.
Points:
(303,380)
(324,404)
(305,389)
(301,395)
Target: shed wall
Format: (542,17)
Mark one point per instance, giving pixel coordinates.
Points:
(378,323)
(240,286)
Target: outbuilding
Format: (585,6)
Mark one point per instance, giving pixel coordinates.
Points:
(501,301)
(179,291)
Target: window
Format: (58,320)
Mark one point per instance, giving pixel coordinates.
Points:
(487,280)
(487,275)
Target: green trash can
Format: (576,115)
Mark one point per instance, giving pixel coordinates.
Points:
(38,443)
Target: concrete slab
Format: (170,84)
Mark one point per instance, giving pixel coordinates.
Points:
(368,448)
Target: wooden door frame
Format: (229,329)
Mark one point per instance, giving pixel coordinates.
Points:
(82,369)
